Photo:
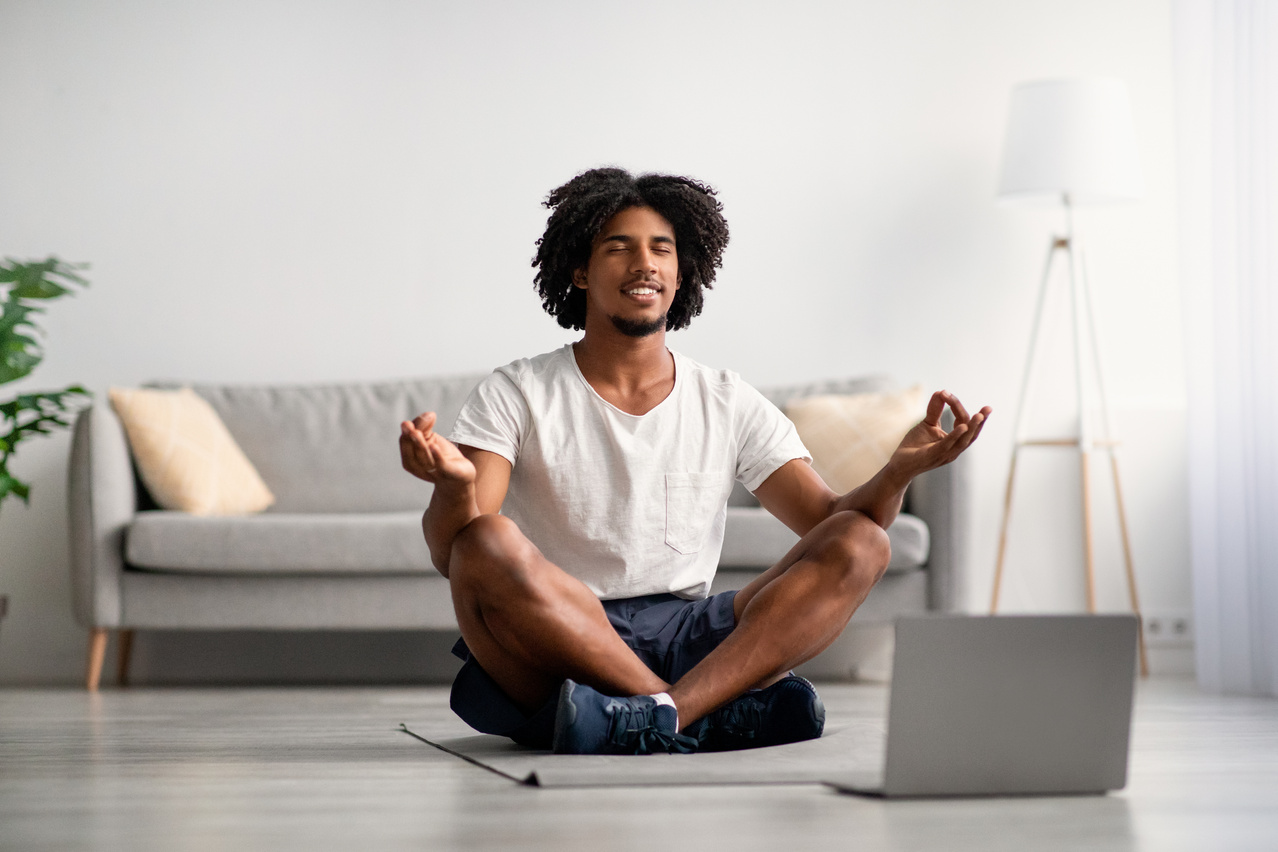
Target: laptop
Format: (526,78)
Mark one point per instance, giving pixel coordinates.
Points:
(1007,705)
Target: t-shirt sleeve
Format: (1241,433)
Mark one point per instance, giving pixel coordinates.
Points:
(766,439)
(494,417)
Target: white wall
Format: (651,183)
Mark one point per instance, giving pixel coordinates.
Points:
(309,191)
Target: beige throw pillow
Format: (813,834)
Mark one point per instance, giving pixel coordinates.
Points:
(852,437)
(186,456)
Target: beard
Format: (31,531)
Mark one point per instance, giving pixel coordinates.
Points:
(637,328)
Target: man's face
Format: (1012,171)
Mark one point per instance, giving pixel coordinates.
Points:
(633,272)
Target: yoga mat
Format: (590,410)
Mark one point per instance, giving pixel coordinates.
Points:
(855,747)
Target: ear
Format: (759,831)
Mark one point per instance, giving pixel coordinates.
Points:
(579,278)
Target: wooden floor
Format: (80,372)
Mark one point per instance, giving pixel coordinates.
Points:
(233,768)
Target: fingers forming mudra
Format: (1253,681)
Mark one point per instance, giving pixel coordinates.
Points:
(417,454)
(929,446)
(428,455)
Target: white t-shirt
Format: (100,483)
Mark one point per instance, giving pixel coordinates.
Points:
(629,504)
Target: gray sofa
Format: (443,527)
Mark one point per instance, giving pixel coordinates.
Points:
(342,547)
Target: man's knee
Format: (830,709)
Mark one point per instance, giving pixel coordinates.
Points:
(857,549)
(491,550)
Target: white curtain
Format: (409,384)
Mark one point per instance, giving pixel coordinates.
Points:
(1226,62)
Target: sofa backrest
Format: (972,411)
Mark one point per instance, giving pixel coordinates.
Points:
(782,394)
(335,448)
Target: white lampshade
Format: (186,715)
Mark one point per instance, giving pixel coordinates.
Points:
(1070,138)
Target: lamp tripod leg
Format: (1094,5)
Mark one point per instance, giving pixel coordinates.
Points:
(1002,536)
(1088,542)
(1131,573)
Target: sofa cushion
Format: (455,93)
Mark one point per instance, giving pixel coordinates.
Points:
(754,538)
(185,455)
(782,395)
(391,542)
(851,436)
(273,543)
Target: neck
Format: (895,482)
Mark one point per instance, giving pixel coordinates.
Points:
(633,373)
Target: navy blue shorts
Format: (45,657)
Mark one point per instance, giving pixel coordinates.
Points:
(670,634)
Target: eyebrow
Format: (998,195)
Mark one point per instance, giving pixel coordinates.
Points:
(625,238)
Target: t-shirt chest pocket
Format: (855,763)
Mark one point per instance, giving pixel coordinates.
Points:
(691,502)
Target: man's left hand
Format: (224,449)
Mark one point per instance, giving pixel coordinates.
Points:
(928,445)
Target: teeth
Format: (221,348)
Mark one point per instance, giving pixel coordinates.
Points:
(642,291)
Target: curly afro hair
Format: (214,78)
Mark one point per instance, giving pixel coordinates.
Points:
(582,206)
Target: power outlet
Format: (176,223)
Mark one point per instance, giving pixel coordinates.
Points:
(1168,629)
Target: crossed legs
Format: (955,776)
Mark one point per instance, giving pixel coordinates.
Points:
(531,625)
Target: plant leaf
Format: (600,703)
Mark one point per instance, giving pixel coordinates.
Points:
(15,314)
(20,352)
(48,409)
(16,365)
(38,288)
(46,279)
(10,484)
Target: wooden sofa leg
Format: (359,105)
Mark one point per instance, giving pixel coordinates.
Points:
(124,652)
(97,653)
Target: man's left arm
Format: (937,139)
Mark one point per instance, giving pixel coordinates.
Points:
(797,495)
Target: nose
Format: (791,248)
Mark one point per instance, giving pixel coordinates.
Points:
(645,261)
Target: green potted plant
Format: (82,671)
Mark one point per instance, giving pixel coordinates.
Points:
(24,286)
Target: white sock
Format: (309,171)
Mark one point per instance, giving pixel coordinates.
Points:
(664,698)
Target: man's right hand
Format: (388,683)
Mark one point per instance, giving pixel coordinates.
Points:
(430,456)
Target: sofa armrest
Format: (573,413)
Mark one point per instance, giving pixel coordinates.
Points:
(941,497)
(102,500)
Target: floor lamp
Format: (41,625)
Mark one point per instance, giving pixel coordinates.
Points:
(1071,142)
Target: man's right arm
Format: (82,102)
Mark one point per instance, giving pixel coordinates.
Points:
(468,483)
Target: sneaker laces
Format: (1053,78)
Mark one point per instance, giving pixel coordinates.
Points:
(635,730)
(740,718)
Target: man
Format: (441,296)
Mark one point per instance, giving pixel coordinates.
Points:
(583,608)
